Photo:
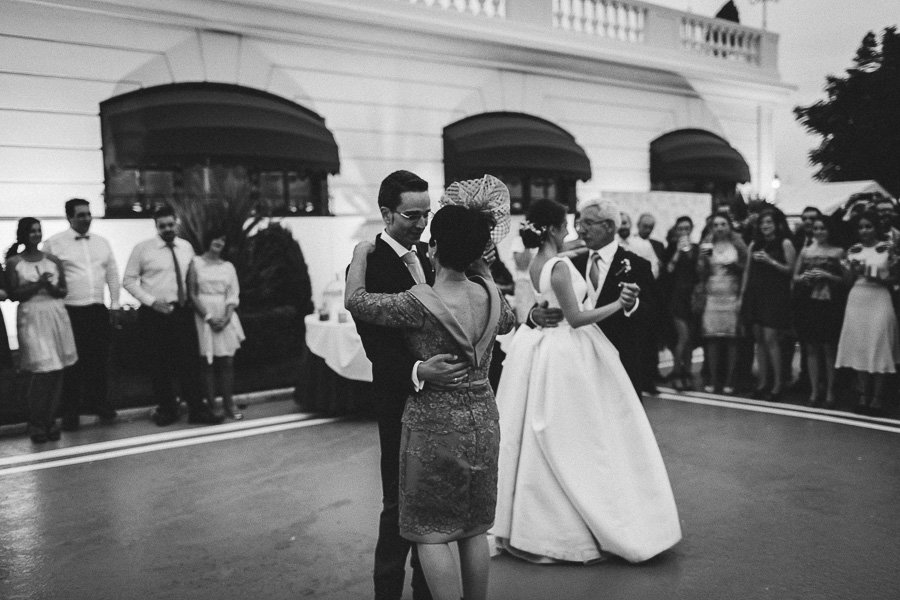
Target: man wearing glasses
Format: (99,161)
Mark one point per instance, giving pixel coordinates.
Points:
(605,266)
(398,262)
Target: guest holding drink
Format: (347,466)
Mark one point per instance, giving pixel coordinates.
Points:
(766,298)
(681,264)
(46,344)
(818,307)
(723,255)
(869,342)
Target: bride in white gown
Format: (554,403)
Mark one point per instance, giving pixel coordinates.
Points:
(580,473)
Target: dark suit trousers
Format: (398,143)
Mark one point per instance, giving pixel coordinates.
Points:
(172,354)
(85,382)
(391,550)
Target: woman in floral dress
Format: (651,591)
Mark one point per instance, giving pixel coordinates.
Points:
(450,440)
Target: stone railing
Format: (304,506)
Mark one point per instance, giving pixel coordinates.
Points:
(487,8)
(721,39)
(633,22)
(606,18)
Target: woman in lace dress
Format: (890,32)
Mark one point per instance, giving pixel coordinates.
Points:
(450,439)
(720,266)
(581,474)
(46,344)
(213,285)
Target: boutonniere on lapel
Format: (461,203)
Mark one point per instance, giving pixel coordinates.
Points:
(624,269)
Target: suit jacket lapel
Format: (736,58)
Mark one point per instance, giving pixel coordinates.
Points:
(398,266)
(611,283)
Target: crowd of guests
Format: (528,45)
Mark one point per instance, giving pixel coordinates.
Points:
(64,326)
(752,288)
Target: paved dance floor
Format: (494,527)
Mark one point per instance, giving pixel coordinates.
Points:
(775,503)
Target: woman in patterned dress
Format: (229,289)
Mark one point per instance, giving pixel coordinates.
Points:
(46,344)
(818,307)
(450,439)
(720,266)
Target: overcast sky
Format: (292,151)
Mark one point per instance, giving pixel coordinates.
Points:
(816,38)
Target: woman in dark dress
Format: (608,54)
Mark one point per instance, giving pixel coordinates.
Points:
(681,265)
(819,307)
(451,436)
(766,299)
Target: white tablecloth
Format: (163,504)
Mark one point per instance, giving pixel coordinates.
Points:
(339,345)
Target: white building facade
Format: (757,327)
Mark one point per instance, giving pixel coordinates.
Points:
(387,76)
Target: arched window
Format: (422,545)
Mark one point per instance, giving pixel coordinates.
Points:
(532,156)
(159,140)
(695,160)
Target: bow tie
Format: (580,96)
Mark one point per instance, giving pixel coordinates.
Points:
(86,236)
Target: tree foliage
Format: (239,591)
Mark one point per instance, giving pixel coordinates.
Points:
(860,120)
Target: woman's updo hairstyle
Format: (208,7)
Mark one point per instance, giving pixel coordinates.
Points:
(462,235)
(542,215)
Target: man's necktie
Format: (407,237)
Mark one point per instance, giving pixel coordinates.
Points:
(181,295)
(86,236)
(595,269)
(415,267)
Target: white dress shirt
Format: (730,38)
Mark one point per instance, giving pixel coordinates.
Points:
(416,268)
(88,264)
(150,272)
(644,249)
(401,252)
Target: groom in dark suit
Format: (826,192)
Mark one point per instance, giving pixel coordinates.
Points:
(398,262)
(604,267)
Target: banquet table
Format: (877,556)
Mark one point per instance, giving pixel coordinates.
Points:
(336,375)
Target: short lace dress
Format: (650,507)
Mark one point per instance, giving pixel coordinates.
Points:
(46,342)
(451,436)
(217,287)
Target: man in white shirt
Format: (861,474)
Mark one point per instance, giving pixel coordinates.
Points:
(90,269)
(156,275)
(638,245)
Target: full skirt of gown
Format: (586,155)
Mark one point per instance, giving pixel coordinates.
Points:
(580,472)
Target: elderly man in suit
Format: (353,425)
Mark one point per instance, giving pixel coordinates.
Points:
(605,266)
(398,262)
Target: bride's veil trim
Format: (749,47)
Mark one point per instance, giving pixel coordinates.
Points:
(474,351)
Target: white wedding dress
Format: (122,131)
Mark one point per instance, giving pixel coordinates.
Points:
(580,473)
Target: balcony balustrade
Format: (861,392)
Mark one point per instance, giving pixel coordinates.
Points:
(631,22)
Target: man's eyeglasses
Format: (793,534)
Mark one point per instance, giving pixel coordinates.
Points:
(414,215)
(590,223)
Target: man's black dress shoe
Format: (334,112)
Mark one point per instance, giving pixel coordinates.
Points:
(205,418)
(163,418)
